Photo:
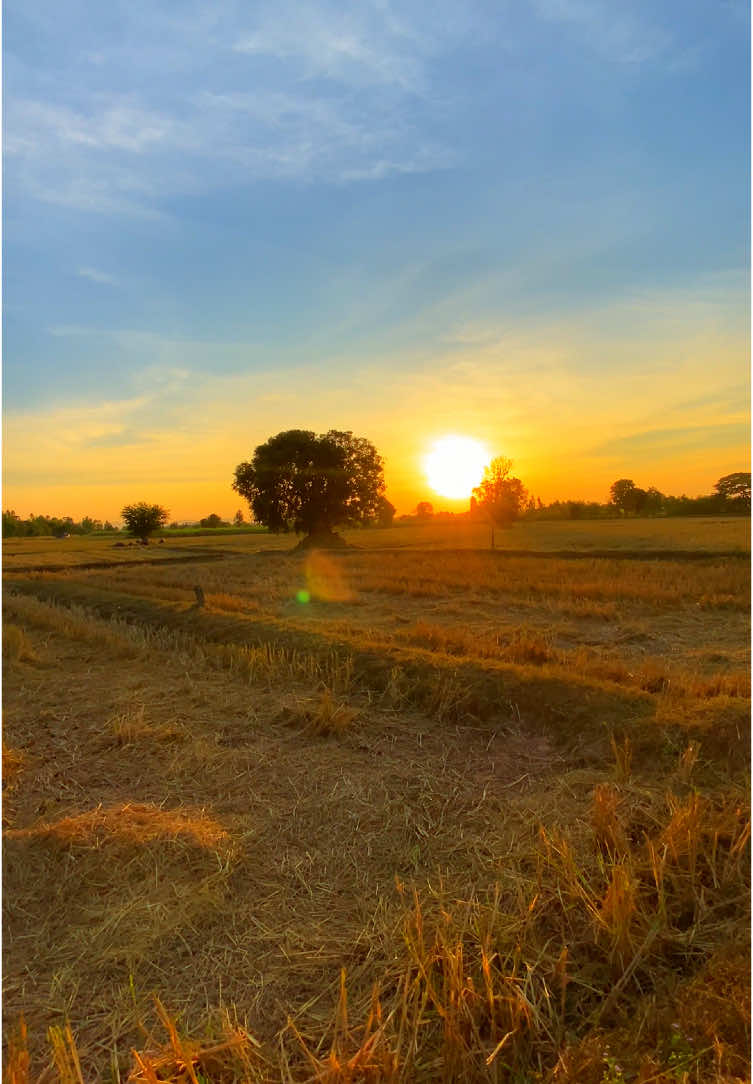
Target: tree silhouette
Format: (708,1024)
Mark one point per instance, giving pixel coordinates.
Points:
(311,484)
(735,488)
(424,509)
(499,497)
(627,496)
(385,512)
(144,519)
(653,502)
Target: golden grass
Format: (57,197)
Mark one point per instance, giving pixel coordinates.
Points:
(16,646)
(13,764)
(561,795)
(128,825)
(323,715)
(713,533)
(130,727)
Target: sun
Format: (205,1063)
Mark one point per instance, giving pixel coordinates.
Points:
(454,466)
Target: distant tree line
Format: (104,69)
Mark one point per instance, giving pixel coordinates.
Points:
(500,499)
(307,483)
(731,496)
(57,526)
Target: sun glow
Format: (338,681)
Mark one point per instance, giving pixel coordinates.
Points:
(454,466)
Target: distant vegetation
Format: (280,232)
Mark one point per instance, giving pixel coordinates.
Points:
(731,496)
(57,526)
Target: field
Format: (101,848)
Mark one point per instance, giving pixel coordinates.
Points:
(409,811)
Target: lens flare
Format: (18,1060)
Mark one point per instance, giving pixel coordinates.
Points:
(325,580)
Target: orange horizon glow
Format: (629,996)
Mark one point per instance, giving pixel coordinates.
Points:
(189,502)
(179,447)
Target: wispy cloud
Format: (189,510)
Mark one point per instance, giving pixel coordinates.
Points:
(291,134)
(114,124)
(102,277)
(362,44)
(122,437)
(658,444)
(338,100)
(616,32)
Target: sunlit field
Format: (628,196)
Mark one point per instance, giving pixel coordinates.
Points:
(409,811)
(723,534)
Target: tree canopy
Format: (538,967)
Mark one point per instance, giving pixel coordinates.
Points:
(385,512)
(311,484)
(143,519)
(735,488)
(213,520)
(499,496)
(627,496)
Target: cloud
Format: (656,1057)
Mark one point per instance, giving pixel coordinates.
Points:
(109,124)
(121,438)
(292,134)
(358,45)
(532,394)
(659,444)
(328,94)
(95,275)
(613,31)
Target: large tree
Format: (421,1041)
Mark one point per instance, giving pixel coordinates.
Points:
(499,497)
(298,481)
(627,496)
(144,519)
(735,489)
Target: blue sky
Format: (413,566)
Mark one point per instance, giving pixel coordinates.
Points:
(528,222)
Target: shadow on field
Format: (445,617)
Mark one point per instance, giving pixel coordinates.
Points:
(579,713)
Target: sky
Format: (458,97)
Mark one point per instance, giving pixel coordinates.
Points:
(522,222)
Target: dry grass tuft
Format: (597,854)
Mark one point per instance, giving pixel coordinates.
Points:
(130,824)
(623,757)
(235,1057)
(13,763)
(607,828)
(528,647)
(16,1069)
(687,761)
(323,715)
(16,646)
(129,728)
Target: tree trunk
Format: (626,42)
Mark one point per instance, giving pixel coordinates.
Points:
(322,539)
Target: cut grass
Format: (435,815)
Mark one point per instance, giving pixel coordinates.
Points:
(324,715)
(450,688)
(495,985)
(15,644)
(571,851)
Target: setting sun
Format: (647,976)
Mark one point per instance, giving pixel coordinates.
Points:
(454,466)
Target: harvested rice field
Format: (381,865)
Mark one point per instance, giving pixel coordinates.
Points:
(408,811)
